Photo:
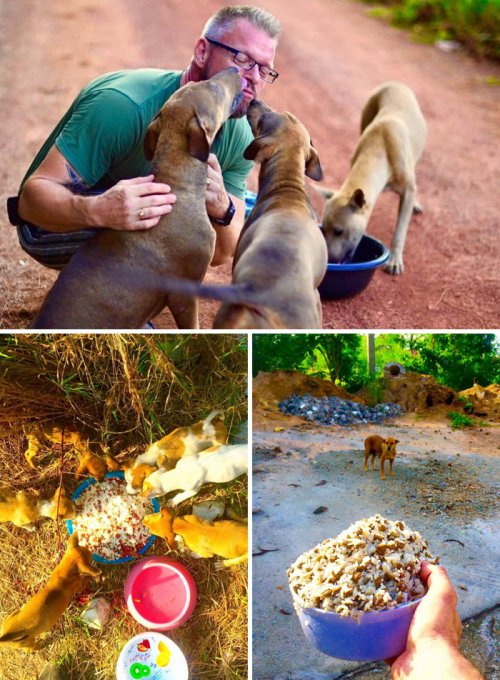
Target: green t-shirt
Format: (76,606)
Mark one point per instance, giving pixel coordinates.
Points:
(102,133)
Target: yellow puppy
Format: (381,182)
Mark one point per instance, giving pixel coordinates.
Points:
(44,609)
(95,466)
(23,509)
(384,448)
(57,431)
(224,537)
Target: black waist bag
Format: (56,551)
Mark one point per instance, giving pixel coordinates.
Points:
(49,248)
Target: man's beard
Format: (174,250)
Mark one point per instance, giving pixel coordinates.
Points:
(241,110)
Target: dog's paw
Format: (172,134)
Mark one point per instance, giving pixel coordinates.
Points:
(394,266)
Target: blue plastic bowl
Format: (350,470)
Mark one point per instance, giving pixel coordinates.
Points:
(347,280)
(69,524)
(376,636)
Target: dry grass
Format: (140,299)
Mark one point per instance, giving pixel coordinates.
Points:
(132,389)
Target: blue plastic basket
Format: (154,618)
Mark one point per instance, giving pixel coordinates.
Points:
(69,524)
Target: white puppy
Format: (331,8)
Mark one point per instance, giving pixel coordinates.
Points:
(218,464)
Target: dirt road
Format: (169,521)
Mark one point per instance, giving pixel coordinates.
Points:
(332,55)
(445,485)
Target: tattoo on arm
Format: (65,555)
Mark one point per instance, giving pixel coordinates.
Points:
(76,184)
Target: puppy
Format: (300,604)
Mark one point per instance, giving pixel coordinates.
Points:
(58,431)
(95,466)
(393,137)
(43,610)
(23,509)
(224,537)
(384,448)
(218,464)
(183,441)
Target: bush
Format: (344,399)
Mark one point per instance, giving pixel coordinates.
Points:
(475,23)
(458,420)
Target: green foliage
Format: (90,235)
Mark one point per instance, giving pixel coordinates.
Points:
(453,359)
(468,406)
(459,421)
(335,356)
(475,23)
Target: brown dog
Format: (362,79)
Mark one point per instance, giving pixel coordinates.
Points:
(226,538)
(103,284)
(384,448)
(44,609)
(23,509)
(281,256)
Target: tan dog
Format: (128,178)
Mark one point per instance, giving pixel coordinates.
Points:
(96,467)
(58,431)
(183,441)
(281,255)
(23,509)
(102,285)
(226,538)
(392,140)
(384,448)
(43,610)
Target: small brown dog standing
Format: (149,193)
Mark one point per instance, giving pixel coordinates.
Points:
(384,448)
(44,609)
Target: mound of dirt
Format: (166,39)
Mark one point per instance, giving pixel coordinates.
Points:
(485,400)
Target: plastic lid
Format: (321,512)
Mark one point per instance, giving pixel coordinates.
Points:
(151,655)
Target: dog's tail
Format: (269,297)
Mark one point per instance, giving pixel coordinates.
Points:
(232,293)
(208,420)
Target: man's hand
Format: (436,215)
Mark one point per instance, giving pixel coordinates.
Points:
(132,204)
(217,199)
(432,650)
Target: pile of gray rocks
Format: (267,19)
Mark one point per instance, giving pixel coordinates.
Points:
(336,411)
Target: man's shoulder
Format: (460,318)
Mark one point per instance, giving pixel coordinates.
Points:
(138,85)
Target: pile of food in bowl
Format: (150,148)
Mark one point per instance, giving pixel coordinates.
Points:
(109,520)
(373,565)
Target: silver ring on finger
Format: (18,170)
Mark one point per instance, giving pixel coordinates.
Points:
(209,181)
(141,214)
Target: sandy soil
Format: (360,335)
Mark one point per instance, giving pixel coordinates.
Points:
(329,62)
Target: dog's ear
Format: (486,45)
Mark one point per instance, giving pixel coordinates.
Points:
(252,150)
(313,166)
(199,138)
(151,138)
(357,200)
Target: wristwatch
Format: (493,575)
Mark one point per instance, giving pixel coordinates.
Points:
(226,220)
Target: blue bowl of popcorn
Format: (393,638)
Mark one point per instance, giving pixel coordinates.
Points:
(109,520)
(374,636)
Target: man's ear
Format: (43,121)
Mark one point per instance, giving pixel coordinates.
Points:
(199,138)
(313,166)
(151,139)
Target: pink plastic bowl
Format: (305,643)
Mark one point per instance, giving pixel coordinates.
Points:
(160,593)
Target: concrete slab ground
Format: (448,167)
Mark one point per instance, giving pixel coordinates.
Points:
(440,489)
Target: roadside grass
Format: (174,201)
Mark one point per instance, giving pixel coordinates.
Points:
(473,23)
(132,389)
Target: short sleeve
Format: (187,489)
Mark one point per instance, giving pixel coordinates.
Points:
(102,129)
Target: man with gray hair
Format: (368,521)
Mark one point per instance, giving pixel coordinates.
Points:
(91,173)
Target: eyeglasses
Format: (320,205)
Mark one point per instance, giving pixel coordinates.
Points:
(246,62)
